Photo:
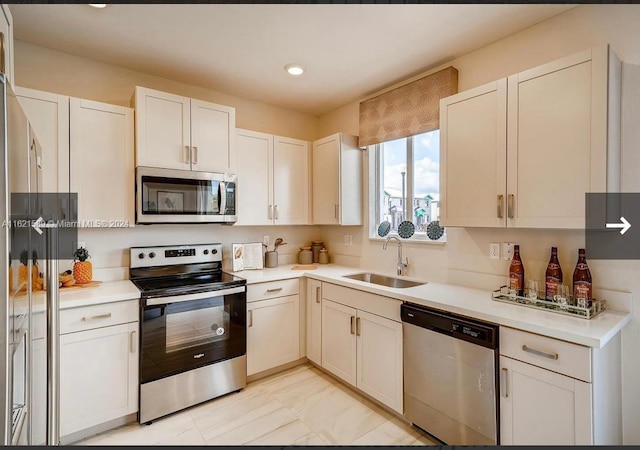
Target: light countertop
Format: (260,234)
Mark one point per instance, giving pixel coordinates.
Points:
(107,292)
(473,303)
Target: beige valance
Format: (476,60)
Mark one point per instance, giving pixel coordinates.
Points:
(410,109)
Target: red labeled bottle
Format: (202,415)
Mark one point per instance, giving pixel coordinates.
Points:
(582,288)
(553,276)
(516,272)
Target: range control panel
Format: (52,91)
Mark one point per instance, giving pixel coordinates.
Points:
(170,255)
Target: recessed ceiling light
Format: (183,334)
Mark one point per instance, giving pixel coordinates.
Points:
(294,69)
(98,5)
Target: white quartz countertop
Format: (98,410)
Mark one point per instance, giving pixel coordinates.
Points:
(468,302)
(107,292)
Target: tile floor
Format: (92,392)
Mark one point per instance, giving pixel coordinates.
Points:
(302,406)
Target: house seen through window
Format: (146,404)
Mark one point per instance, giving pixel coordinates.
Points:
(408,182)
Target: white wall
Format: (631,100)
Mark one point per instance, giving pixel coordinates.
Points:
(464,259)
(53,71)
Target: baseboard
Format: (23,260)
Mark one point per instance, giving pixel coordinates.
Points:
(97,429)
(354,389)
(274,370)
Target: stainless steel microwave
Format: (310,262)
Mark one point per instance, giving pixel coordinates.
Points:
(184,196)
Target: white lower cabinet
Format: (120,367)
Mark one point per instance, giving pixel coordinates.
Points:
(98,372)
(273,332)
(554,392)
(314,321)
(364,348)
(540,407)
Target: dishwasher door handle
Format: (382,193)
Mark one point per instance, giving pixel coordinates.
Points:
(504,387)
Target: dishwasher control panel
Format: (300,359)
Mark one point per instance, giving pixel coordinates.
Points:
(443,322)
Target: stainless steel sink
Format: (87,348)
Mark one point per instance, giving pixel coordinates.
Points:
(383,280)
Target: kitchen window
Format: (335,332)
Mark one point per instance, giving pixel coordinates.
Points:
(407,184)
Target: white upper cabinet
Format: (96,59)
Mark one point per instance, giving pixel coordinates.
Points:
(48,114)
(290,181)
(560,122)
(6,31)
(273,179)
(255,175)
(101,156)
(337,180)
(175,132)
(473,163)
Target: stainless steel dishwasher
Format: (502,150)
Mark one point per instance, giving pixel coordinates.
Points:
(450,365)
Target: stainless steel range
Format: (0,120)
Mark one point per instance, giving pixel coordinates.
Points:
(193,327)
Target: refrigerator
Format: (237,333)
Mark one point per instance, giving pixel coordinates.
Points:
(29,339)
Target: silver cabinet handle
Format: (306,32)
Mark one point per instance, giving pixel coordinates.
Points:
(276,212)
(132,342)
(270,213)
(318,294)
(271,291)
(194,156)
(335,211)
(250,318)
(186,154)
(503,382)
(510,205)
(553,356)
(500,206)
(99,316)
(353,320)
(358,321)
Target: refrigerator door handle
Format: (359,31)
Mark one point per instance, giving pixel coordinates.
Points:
(53,339)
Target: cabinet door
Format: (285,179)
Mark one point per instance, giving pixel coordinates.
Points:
(102,164)
(273,333)
(98,376)
(557,148)
(339,340)
(48,114)
(326,181)
(540,407)
(255,184)
(291,181)
(314,321)
(473,163)
(212,137)
(379,365)
(162,129)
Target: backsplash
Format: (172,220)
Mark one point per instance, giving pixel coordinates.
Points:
(109,247)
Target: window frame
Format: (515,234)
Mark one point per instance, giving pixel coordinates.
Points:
(375,187)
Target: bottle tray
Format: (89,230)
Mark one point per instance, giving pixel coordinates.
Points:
(597,306)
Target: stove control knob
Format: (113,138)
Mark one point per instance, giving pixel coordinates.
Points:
(141,255)
(152,255)
(206,252)
(214,251)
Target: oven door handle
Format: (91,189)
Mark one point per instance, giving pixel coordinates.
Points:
(190,297)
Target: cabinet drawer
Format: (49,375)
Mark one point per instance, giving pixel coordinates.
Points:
(98,316)
(272,289)
(559,356)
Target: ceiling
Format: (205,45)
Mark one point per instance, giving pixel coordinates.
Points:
(350,51)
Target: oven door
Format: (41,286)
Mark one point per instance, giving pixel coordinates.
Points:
(189,331)
(183,196)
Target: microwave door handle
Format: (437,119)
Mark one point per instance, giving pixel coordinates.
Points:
(222,198)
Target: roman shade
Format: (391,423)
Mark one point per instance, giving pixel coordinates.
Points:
(410,109)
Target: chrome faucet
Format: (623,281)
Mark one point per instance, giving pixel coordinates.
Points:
(401,265)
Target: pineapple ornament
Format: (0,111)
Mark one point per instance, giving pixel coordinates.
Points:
(82,269)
